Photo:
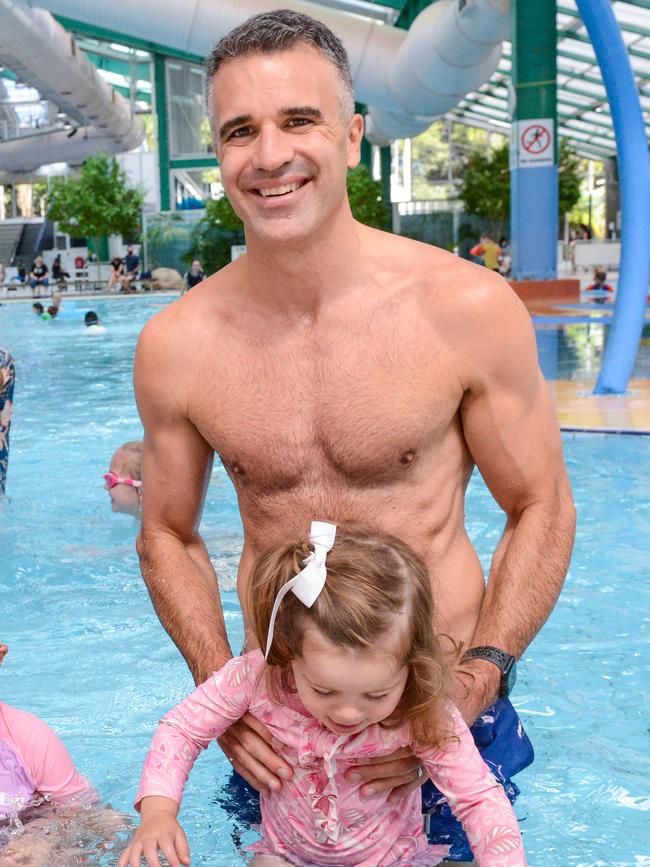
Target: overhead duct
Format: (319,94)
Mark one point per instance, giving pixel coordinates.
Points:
(452,48)
(406,78)
(40,52)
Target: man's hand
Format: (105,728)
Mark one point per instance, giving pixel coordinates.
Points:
(401,771)
(247,746)
(475,687)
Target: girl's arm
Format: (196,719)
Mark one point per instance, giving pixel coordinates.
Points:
(475,797)
(158,830)
(190,726)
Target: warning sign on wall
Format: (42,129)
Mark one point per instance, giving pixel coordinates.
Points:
(533,141)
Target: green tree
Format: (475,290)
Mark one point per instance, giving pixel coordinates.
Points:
(570,170)
(215,233)
(440,154)
(99,201)
(485,190)
(367,198)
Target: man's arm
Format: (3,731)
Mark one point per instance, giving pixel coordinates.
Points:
(177,463)
(173,557)
(511,430)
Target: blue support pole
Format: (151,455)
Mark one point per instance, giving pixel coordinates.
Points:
(634,174)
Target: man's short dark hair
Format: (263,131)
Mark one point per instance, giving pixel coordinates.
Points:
(281,30)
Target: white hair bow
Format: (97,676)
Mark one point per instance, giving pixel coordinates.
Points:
(309,582)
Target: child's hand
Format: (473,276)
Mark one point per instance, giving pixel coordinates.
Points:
(159,830)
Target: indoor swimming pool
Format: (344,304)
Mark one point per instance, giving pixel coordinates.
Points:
(89,655)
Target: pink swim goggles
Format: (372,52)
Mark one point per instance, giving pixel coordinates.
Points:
(112,479)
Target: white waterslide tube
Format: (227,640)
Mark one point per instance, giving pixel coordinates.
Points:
(407,78)
(42,54)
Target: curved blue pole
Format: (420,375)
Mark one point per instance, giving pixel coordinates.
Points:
(634,177)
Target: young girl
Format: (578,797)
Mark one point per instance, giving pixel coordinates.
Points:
(352,669)
(47,808)
(123,481)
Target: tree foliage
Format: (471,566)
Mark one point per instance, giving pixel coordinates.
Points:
(570,177)
(366,198)
(215,233)
(440,153)
(485,189)
(98,201)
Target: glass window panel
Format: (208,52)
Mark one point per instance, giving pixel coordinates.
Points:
(193,186)
(189,131)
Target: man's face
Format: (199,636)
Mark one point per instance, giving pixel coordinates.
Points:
(282,142)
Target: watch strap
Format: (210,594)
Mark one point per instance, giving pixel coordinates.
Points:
(505,662)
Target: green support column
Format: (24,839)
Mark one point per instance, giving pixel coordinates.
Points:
(162,121)
(385,182)
(533,150)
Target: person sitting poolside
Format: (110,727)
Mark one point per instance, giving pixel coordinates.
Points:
(38,275)
(131,270)
(194,276)
(124,479)
(59,274)
(93,325)
(117,266)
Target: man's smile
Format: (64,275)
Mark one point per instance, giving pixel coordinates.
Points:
(278,189)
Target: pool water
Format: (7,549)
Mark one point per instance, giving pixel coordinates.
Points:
(89,655)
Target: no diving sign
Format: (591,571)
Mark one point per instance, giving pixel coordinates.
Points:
(534,142)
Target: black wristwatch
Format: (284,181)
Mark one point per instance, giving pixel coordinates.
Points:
(506,664)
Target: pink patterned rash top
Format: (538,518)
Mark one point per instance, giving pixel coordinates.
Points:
(318,817)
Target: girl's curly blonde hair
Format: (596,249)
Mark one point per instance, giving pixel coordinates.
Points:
(375,585)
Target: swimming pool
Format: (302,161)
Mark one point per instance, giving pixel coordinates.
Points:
(89,656)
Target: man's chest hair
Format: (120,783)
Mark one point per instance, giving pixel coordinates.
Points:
(361,416)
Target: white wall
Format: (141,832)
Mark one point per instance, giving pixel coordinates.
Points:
(142,169)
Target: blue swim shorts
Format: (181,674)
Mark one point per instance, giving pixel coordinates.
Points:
(501,740)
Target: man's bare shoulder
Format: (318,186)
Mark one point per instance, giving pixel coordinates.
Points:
(455,286)
(183,321)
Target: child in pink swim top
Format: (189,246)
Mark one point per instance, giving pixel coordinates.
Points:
(33,761)
(48,810)
(352,669)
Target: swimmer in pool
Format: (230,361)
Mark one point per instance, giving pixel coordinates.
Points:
(41,787)
(39,310)
(123,481)
(93,325)
(351,670)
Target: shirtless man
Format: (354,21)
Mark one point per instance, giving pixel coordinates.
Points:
(341,373)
